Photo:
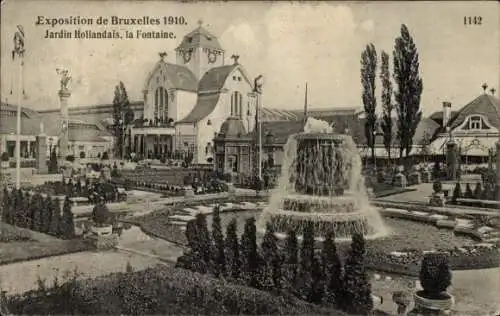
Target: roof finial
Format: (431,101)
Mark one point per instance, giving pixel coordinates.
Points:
(485,86)
(200,22)
(162,56)
(235,57)
(492,90)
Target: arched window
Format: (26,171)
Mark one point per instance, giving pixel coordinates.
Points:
(236,104)
(161,104)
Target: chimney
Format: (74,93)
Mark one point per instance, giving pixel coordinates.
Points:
(446,113)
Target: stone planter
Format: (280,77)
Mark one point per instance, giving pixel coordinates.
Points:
(188,192)
(101,231)
(433,304)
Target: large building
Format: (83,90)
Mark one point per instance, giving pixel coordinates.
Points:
(89,139)
(186,103)
(475,127)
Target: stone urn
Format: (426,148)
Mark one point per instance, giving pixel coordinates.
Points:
(101,230)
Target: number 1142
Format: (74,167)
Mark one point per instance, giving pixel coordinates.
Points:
(473,20)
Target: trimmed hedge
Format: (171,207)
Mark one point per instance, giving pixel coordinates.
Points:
(161,290)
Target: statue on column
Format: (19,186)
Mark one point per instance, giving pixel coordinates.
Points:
(65,78)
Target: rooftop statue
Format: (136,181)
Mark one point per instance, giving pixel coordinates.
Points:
(65,78)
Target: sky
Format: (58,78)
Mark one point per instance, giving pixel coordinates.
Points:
(290,43)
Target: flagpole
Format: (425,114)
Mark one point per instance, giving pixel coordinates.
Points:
(19,53)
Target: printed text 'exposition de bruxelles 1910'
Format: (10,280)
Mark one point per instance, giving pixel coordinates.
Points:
(81,33)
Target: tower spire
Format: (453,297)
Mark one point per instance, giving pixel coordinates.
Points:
(305,104)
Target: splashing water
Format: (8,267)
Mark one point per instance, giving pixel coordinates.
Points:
(321,184)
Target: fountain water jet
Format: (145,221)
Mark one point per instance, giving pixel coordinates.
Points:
(321,183)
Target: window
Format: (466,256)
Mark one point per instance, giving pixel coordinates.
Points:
(475,122)
(233,163)
(161,103)
(236,104)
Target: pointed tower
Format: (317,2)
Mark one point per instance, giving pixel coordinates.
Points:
(199,51)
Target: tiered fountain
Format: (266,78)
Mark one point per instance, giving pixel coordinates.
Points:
(321,183)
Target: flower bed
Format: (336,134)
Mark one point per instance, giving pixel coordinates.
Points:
(159,290)
(10,233)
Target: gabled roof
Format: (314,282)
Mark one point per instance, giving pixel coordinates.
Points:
(29,126)
(209,90)
(438,115)
(199,37)
(180,77)
(280,130)
(485,104)
(25,112)
(215,78)
(205,104)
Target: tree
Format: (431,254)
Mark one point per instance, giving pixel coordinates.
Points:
(387,106)
(356,298)
(249,253)
(205,242)
(272,258)
(55,219)
(332,267)
(37,213)
(46,214)
(67,221)
(291,258)
(368,74)
(468,191)
(409,89)
(218,239)
(123,116)
(318,287)
(233,249)
(53,167)
(305,280)
(5,205)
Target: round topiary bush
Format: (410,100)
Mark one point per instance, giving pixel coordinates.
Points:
(100,214)
(435,276)
(437,186)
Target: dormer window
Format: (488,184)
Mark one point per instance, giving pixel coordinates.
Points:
(475,122)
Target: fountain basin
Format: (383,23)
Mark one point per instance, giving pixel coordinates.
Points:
(343,224)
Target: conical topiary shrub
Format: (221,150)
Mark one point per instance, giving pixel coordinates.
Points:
(457,193)
(478,191)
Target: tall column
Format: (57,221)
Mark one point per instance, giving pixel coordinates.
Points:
(41,152)
(64,95)
(63,139)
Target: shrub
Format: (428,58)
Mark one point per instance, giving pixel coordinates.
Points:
(105,156)
(5,156)
(457,193)
(218,239)
(478,191)
(468,192)
(82,154)
(356,298)
(101,214)
(435,274)
(157,291)
(437,186)
(70,158)
(232,246)
(436,170)
(249,253)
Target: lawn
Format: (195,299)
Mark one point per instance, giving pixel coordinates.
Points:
(19,244)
